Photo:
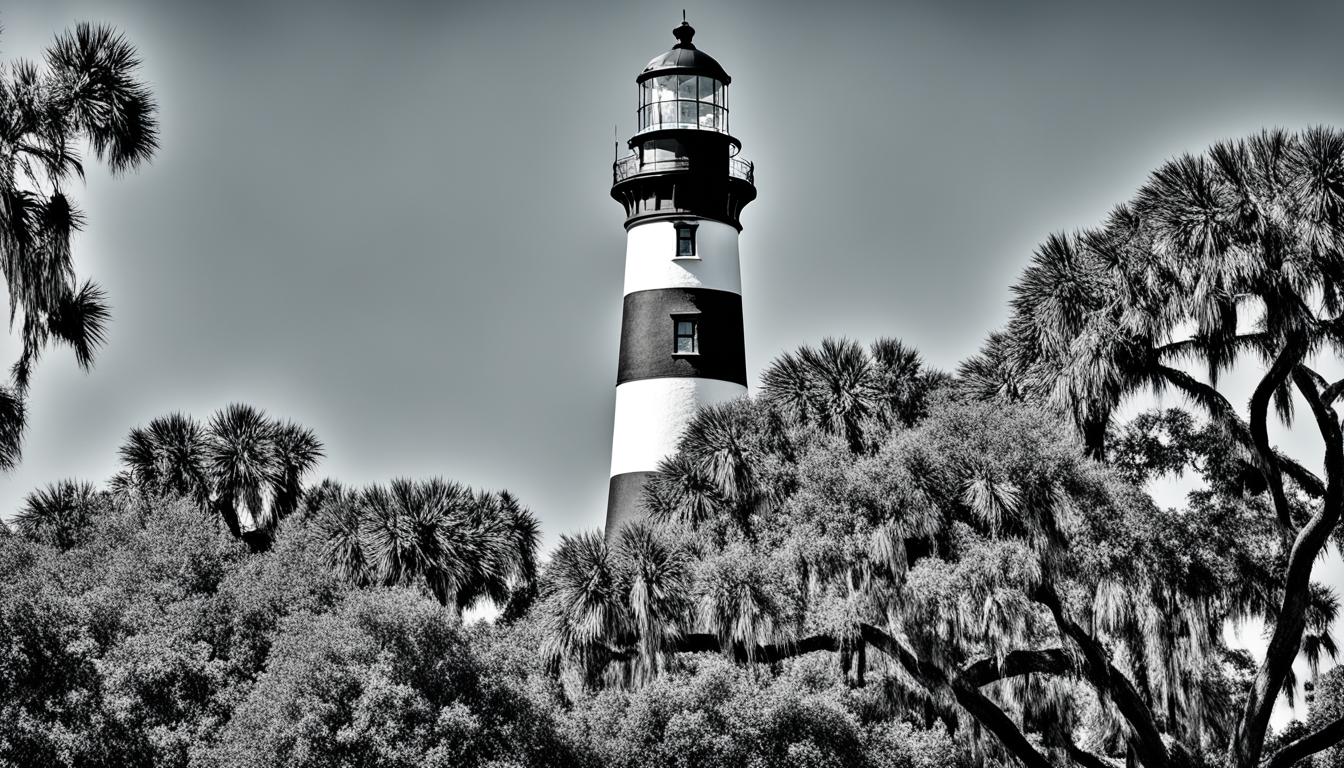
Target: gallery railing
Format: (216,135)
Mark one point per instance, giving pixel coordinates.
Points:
(631,166)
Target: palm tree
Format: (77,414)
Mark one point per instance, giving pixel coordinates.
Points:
(627,602)
(509,534)
(462,546)
(87,92)
(244,466)
(296,452)
(714,473)
(58,515)
(169,457)
(841,386)
(241,460)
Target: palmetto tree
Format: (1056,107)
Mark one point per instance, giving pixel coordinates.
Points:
(87,92)
(627,602)
(840,386)
(244,466)
(462,546)
(168,456)
(59,514)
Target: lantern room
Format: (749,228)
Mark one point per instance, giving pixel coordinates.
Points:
(683,88)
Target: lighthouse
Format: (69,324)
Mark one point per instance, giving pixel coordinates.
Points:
(683,186)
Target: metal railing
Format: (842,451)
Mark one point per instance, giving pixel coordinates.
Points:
(742,169)
(630,166)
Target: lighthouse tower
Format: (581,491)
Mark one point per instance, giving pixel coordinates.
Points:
(683,188)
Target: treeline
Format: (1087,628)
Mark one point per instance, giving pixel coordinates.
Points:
(159,639)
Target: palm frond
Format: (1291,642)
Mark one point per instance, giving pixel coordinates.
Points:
(13,420)
(94,78)
(58,515)
(80,321)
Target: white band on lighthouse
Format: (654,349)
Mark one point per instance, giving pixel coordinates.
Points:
(651,414)
(651,258)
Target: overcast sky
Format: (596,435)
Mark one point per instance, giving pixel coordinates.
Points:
(390,221)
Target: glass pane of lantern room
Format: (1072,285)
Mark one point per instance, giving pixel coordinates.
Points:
(688,116)
(665,88)
(707,117)
(667,113)
(686,87)
(706,89)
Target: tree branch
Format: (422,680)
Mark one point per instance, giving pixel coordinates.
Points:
(1084,758)
(1274,378)
(1290,623)
(1052,661)
(1220,409)
(1111,683)
(1329,735)
(1332,392)
(968,696)
(964,687)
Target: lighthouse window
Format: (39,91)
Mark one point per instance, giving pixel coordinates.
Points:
(707,116)
(687,112)
(686,86)
(706,88)
(685,241)
(687,340)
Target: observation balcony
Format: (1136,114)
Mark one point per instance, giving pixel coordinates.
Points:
(630,166)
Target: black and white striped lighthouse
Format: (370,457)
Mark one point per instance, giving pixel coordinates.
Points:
(683,187)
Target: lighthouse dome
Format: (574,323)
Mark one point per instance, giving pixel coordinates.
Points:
(685,59)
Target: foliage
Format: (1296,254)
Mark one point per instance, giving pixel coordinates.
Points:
(1227,259)
(157,639)
(244,466)
(840,385)
(86,92)
(464,546)
(388,680)
(60,515)
(973,564)
(711,713)
(1328,707)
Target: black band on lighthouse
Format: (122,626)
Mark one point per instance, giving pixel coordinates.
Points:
(648,335)
(623,498)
